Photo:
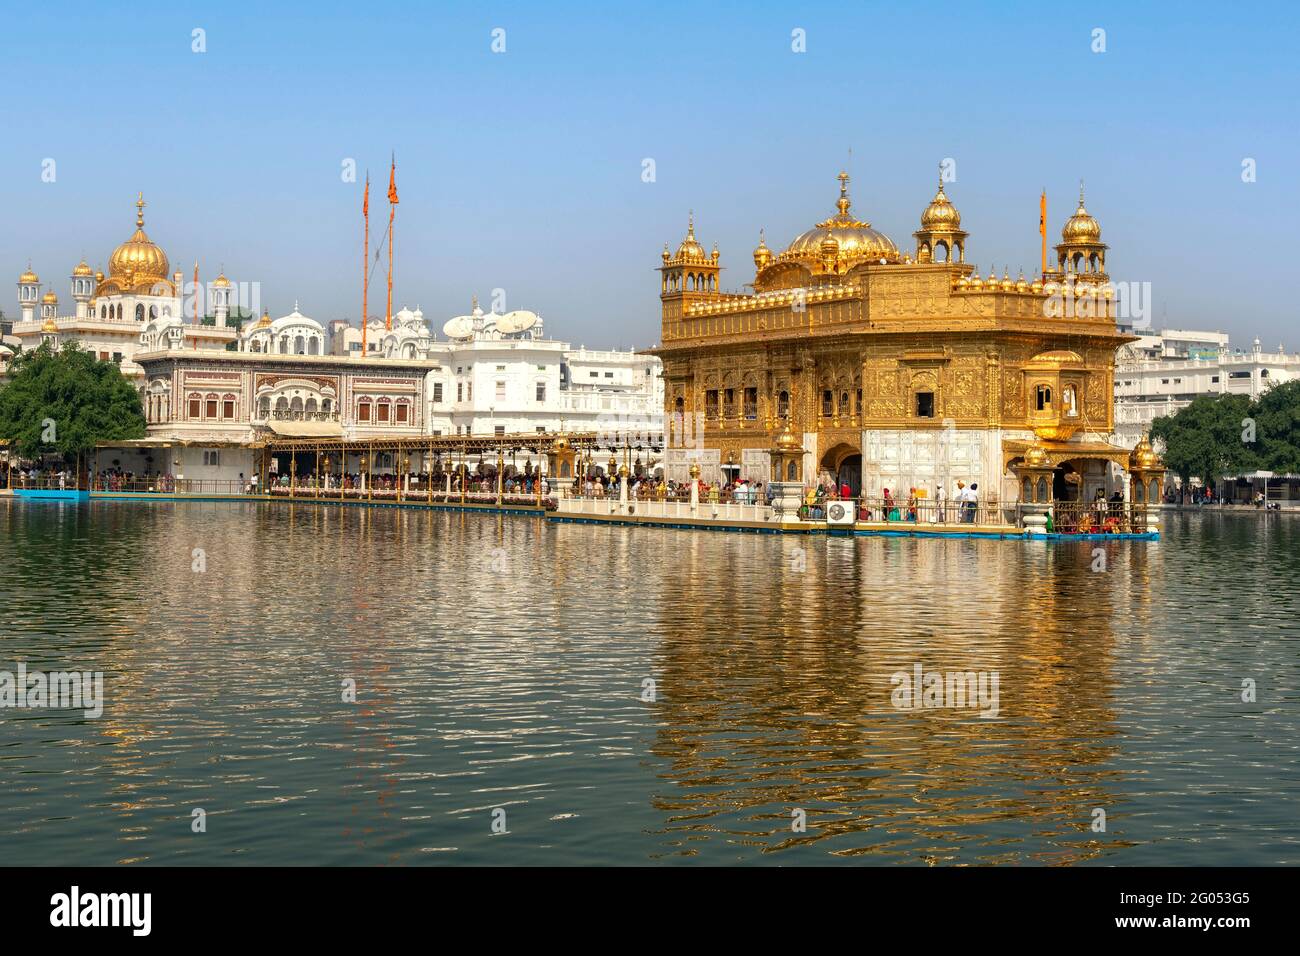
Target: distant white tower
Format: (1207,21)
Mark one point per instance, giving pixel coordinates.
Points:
(29,293)
(221,300)
(83,287)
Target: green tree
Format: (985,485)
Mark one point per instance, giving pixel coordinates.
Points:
(87,400)
(1277,426)
(1207,439)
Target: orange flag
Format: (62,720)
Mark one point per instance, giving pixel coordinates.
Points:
(392,183)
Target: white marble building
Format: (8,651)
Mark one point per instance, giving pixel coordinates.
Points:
(1160,374)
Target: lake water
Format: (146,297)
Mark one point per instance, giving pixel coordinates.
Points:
(501,667)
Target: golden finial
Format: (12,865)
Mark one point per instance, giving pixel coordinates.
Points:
(1080,193)
(941,177)
(844,201)
(139,211)
(690,225)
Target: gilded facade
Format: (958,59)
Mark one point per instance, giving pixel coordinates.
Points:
(893,368)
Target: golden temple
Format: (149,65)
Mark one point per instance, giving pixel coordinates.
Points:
(888,369)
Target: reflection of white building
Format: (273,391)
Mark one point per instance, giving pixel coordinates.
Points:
(1160,374)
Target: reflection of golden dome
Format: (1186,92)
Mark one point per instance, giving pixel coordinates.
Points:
(1081,227)
(855,240)
(138,259)
(29,277)
(690,247)
(82,269)
(48,327)
(50,298)
(941,213)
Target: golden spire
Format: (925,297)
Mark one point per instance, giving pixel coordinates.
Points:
(690,225)
(844,202)
(139,211)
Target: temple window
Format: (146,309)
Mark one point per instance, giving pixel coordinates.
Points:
(925,404)
(383,411)
(363,411)
(196,407)
(729,403)
(783,405)
(1043,398)
(1070,401)
(403,413)
(228,406)
(844,405)
(751,403)
(210,410)
(139,313)
(828,403)
(711,404)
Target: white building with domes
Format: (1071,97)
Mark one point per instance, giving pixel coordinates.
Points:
(116,315)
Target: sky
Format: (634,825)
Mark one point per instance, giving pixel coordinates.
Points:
(524,170)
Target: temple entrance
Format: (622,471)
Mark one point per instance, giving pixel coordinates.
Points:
(844,464)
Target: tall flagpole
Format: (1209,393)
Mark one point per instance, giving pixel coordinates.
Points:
(1042,225)
(392,211)
(365,265)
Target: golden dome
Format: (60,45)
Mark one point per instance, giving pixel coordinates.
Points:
(690,247)
(49,327)
(1035,456)
(29,276)
(82,269)
(1081,227)
(221,282)
(941,214)
(762,255)
(1142,457)
(855,241)
(265,320)
(138,260)
(50,298)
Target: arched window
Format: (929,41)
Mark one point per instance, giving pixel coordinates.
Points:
(384,411)
(227,406)
(1043,398)
(783,405)
(299,345)
(363,410)
(256,346)
(264,407)
(196,405)
(210,410)
(281,405)
(941,251)
(403,411)
(311,406)
(284,345)
(1069,400)
(296,405)
(103,312)
(325,406)
(139,313)
(153,312)
(313,346)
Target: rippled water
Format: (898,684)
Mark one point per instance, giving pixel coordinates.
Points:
(501,662)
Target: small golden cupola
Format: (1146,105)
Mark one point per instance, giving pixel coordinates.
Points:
(940,238)
(1081,253)
(690,270)
(762,255)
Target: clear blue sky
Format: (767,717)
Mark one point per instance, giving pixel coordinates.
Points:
(522,170)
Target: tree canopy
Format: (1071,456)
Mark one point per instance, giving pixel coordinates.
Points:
(88,401)
(1224,435)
